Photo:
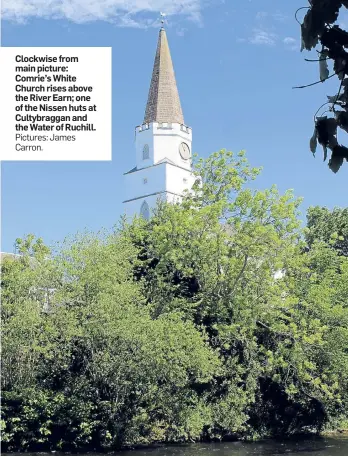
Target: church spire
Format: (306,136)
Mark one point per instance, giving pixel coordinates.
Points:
(163,104)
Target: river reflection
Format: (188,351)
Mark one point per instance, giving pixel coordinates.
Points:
(310,446)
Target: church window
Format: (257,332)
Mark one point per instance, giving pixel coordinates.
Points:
(145,210)
(146,152)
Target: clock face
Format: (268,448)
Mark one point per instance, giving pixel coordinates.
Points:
(184,151)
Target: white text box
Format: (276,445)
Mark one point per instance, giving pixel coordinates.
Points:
(55,103)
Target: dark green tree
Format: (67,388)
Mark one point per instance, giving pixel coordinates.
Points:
(214,260)
(209,321)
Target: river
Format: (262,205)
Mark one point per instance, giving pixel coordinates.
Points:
(308,446)
(332,446)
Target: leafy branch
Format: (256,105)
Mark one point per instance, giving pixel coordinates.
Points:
(319,27)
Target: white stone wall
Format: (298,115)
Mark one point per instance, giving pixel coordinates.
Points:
(144,136)
(145,181)
(152,179)
(178,179)
(157,179)
(133,207)
(167,142)
(163,143)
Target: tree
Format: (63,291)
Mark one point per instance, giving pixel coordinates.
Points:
(95,372)
(319,27)
(178,328)
(328,226)
(213,260)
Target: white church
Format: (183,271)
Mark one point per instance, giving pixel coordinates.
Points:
(163,143)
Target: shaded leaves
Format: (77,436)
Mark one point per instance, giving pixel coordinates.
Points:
(314,22)
(314,142)
(339,153)
(323,66)
(342,119)
(319,27)
(326,133)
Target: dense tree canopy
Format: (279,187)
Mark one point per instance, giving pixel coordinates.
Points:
(321,30)
(328,226)
(179,328)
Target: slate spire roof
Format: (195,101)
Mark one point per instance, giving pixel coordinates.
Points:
(163,104)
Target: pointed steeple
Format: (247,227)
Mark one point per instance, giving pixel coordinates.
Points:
(163,104)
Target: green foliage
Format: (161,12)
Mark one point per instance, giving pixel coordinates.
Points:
(213,259)
(95,371)
(177,329)
(328,226)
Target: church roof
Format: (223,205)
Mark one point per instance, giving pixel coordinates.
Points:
(163,104)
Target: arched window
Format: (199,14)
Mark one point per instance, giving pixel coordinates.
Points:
(145,210)
(146,152)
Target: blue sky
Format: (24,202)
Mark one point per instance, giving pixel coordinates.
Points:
(235,63)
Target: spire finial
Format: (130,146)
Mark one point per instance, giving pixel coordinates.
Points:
(163,15)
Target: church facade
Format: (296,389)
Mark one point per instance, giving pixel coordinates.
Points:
(163,143)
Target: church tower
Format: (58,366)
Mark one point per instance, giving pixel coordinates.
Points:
(163,143)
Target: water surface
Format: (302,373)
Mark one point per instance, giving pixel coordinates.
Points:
(310,446)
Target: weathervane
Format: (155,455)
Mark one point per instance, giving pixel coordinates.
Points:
(163,15)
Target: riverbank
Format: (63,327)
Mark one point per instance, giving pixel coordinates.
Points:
(338,433)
